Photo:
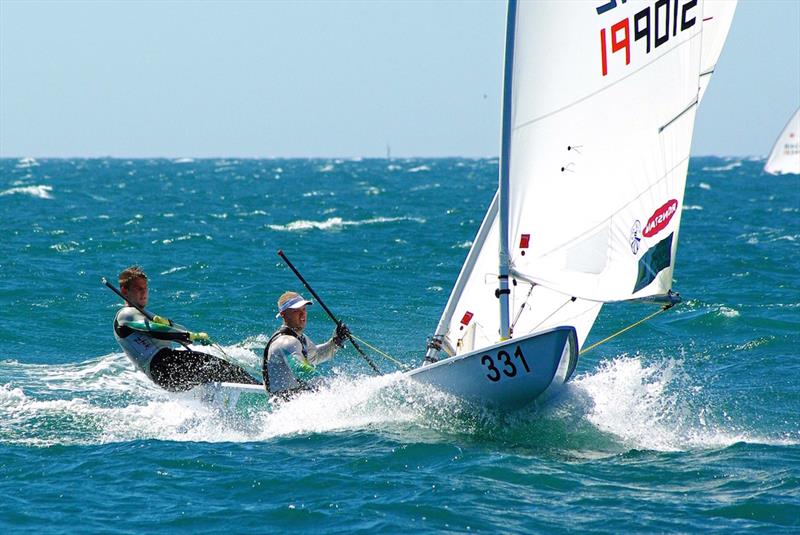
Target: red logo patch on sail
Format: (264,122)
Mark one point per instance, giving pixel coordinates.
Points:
(467,317)
(524,240)
(660,218)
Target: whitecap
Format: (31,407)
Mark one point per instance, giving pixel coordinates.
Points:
(174,270)
(40,191)
(337,223)
(27,162)
(419,169)
(689,207)
(705,186)
(730,167)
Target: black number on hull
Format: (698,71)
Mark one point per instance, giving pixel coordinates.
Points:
(489,363)
(509,369)
(520,356)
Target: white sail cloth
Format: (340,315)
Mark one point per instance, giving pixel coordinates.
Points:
(598,153)
(603,102)
(785,155)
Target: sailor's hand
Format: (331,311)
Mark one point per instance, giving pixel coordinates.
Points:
(200,338)
(162,320)
(342,332)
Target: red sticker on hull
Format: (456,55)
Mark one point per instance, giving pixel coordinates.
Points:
(660,218)
(467,317)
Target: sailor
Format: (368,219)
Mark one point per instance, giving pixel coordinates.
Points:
(149,344)
(291,358)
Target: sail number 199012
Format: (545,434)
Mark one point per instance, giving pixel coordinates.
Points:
(502,364)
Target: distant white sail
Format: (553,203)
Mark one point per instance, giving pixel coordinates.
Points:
(717,20)
(785,155)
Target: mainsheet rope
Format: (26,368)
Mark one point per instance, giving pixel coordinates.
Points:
(629,327)
(381,353)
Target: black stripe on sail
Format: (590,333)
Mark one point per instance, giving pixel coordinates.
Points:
(654,260)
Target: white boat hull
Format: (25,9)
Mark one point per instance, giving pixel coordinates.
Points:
(230,396)
(510,374)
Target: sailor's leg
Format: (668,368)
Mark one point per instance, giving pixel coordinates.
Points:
(215,369)
(175,371)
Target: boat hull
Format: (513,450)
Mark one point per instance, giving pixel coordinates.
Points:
(233,396)
(510,374)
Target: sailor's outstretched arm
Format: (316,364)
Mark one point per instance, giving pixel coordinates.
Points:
(159,330)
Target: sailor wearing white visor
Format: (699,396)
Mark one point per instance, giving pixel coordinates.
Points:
(290,358)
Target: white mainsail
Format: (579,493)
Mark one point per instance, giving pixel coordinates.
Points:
(785,155)
(572,231)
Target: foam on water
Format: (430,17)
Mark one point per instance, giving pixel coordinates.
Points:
(656,407)
(625,404)
(728,167)
(40,191)
(337,223)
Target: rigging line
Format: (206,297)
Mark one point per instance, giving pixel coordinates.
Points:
(381,353)
(522,307)
(629,327)
(570,300)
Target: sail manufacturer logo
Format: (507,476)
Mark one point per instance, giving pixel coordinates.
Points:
(660,218)
(652,27)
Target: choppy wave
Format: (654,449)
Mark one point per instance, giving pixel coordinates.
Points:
(337,223)
(649,406)
(728,167)
(418,169)
(40,191)
(26,163)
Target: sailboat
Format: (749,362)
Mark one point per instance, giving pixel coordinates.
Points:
(784,157)
(599,104)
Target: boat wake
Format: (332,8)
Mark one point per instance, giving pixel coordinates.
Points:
(623,405)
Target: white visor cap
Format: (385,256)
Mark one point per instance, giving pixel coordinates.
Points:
(298,301)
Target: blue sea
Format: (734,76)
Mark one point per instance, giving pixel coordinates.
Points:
(687,423)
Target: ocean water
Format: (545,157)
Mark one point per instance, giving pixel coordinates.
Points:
(690,422)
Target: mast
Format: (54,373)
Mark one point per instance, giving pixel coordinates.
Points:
(505,153)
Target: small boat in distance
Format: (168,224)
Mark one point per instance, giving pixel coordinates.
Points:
(785,155)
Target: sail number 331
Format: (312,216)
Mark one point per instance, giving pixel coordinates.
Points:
(503,364)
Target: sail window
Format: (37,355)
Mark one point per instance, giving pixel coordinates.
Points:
(589,256)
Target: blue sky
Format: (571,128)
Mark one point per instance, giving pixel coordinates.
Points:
(327,79)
